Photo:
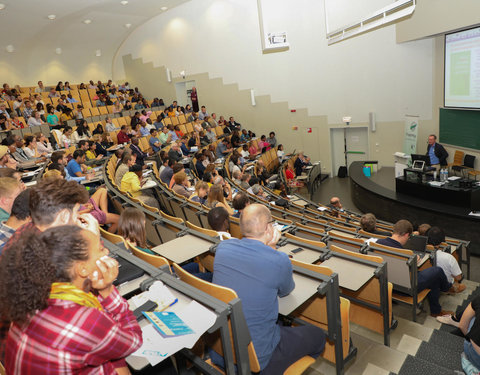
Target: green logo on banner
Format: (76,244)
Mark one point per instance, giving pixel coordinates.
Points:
(413,126)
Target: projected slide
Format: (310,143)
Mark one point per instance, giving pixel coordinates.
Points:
(462,69)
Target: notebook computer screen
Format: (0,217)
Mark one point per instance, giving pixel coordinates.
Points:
(418,164)
(417,243)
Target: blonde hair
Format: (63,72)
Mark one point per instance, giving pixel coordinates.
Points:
(52,173)
(8,185)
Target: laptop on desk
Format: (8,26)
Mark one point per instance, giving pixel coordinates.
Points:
(418,244)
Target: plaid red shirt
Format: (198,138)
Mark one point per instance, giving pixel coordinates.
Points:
(67,338)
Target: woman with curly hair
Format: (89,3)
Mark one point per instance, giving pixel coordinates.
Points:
(67,317)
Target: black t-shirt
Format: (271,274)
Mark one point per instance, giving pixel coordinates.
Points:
(474,334)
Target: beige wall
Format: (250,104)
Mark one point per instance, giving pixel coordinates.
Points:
(218,44)
(433,17)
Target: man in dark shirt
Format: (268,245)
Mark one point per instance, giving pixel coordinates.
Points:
(432,278)
(175,153)
(301,163)
(136,150)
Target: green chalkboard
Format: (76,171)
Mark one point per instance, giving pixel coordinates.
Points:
(460,128)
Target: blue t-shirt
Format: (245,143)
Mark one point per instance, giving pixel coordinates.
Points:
(433,158)
(259,275)
(144,131)
(152,142)
(73,167)
(221,148)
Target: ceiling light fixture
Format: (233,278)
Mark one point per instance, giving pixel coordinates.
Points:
(98,53)
(124,2)
(2,6)
(87,21)
(51,16)
(163,8)
(58,51)
(128,25)
(10,48)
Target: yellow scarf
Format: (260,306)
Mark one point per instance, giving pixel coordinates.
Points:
(69,292)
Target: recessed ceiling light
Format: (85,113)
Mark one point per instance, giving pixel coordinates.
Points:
(128,25)
(124,2)
(87,21)
(58,51)
(10,48)
(51,16)
(2,6)
(163,8)
(98,53)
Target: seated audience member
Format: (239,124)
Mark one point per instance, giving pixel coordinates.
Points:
(175,153)
(335,206)
(30,147)
(240,201)
(76,167)
(19,216)
(432,278)
(269,180)
(263,145)
(422,229)
(43,145)
(98,130)
(280,153)
(218,219)
(167,173)
(368,222)
(223,149)
(91,152)
(131,226)
(128,160)
(252,150)
(259,274)
(122,136)
(154,141)
(199,165)
(6,160)
(301,163)
(245,181)
(216,198)
(446,261)
(258,192)
(10,188)
(177,167)
(272,141)
(244,137)
(291,177)
(237,176)
(137,151)
(66,140)
(469,325)
(165,137)
(181,184)
(132,183)
(46,287)
(97,206)
(67,115)
(232,124)
(59,157)
(35,119)
(19,154)
(211,135)
(52,118)
(201,191)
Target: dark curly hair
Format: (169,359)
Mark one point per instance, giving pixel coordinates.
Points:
(30,266)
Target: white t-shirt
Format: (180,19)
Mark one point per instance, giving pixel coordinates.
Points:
(245,154)
(448,264)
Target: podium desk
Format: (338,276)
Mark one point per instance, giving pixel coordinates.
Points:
(183,248)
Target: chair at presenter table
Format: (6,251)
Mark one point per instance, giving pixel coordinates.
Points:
(226,295)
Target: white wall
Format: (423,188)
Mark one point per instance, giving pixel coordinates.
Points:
(363,74)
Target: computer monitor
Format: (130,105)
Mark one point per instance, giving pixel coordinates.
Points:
(417,243)
(424,158)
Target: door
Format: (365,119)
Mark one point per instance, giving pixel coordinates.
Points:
(356,141)
(183,90)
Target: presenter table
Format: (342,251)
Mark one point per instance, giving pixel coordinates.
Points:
(421,185)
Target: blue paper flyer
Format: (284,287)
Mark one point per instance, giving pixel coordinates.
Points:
(168,323)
